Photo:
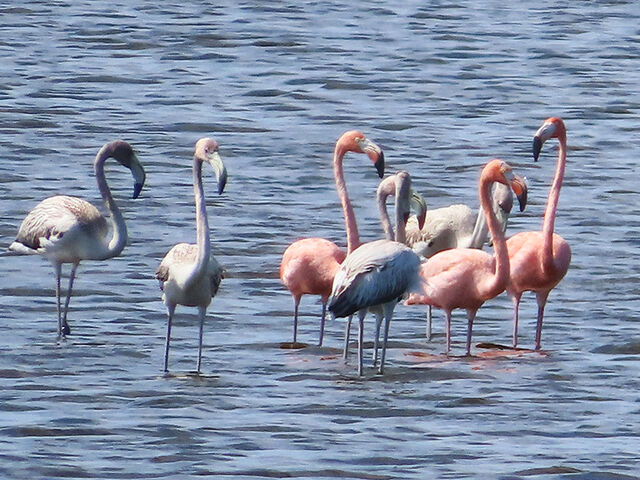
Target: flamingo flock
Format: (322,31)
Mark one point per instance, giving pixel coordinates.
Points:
(447,267)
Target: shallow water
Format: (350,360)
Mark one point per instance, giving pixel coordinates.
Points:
(442,89)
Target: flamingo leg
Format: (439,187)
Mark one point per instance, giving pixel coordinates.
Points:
(376,338)
(516,306)
(324,313)
(296,304)
(202,311)
(447,322)
(58,271)
(471,315)
(347,332)
(361,315)
(170,310)
(542,301)
(388,315)
(429,322)
(65,326)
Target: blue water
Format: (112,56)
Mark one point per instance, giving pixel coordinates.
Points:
(442,87)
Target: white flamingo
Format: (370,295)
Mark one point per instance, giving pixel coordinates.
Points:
(376,275)
(66,229)
(456,226)
(188,274)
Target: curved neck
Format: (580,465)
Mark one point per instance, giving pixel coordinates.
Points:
(202,224)
(552,204)
(353,237)
(386,188)
(501,195)
(500,278)
(480,231)
(119,238)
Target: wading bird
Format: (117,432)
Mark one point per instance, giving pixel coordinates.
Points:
(466,277)
(539,260)
(309,265)
(188,274)
(66,229)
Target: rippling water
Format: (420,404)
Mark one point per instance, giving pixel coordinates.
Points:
(442,88)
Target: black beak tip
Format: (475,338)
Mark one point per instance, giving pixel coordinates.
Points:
(137,188)
(380,165)
(537,146)
(221,184)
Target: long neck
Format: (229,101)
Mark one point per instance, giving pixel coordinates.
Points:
(384,190)
(202,224)
(353,237)
(501,195)
(499,280)
(402,210)
(552,205)
(119,238)
(480,231)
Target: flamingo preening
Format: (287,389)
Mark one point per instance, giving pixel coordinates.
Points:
(66,229)
(376,275)
(539,260)
(466,277)
(456,226)
(309,265)
(188,274)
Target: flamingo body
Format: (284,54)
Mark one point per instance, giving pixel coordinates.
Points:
(540,260)
(309,265)
(65,229)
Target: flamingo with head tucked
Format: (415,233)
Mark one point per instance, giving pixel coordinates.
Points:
(66,229)
(539,260)
(466,277)
(309,265)
(377,274)
(188,274)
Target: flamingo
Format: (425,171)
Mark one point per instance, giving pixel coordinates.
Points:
(456,226)
(466,277)
(65,229)
(375,275)
(309,265)
(539,260)
(188,274)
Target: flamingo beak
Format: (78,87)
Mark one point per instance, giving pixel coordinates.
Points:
(537,146)
(375,153)
(420,206)
(218,167)
(519,187)
(544,133)
(139,176)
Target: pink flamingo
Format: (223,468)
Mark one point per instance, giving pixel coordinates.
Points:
(377,274)
(467,277)
(539,260)
(309,265)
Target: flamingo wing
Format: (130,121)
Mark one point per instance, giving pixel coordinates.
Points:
(376,273)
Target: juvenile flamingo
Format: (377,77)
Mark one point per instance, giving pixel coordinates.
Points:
(309,265)
(539,260)
(66,229)
(376,275)
(465,277)
(456,226)
(188,274)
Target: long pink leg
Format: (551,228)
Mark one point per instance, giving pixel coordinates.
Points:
(542,301)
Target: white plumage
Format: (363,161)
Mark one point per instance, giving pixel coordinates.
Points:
(188,273)
(66,229)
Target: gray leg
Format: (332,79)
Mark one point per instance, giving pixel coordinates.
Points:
(471,315)
(388,314)
(65,326)
(170,310)
(376,338)
(448,330)
(347,332)
(58,271)
(361,315)
(429,322)
(296,303)
(324,314)
(516,306)
(202,311)
(542,301)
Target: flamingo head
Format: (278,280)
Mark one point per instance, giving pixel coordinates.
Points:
(206,150)
(356,141)
(553,127)
(123,153)
(499,171)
